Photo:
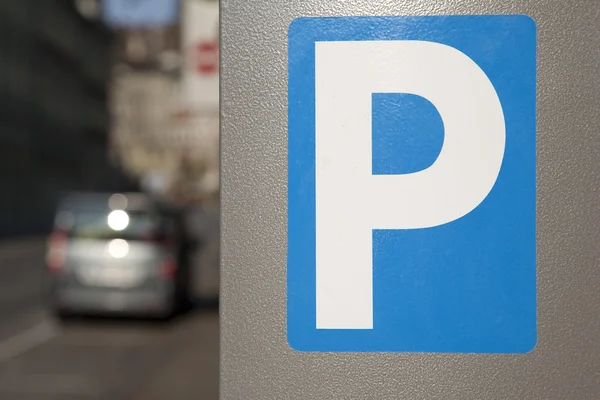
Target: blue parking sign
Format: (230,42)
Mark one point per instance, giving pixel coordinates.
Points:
(140,13)
(412,184)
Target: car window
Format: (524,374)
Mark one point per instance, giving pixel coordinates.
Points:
(114,224)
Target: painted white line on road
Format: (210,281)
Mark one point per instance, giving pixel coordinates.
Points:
(27,340)
(12,326)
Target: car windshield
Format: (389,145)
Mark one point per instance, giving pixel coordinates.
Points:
(112,224)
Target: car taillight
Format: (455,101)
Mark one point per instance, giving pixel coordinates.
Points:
(57,251)
(167,269)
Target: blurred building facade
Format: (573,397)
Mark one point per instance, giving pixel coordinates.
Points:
(158,127)
(55,69)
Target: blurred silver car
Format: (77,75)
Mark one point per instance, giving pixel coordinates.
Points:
(117,253)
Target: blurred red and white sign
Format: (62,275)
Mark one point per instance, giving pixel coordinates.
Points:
(200,30)
(206,57)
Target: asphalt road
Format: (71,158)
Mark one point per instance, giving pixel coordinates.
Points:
(100,358)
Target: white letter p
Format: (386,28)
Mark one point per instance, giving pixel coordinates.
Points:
(351,201)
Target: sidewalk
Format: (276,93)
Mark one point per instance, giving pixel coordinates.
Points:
(191,369)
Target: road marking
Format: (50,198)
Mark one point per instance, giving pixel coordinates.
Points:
(27,340)
(23,322)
